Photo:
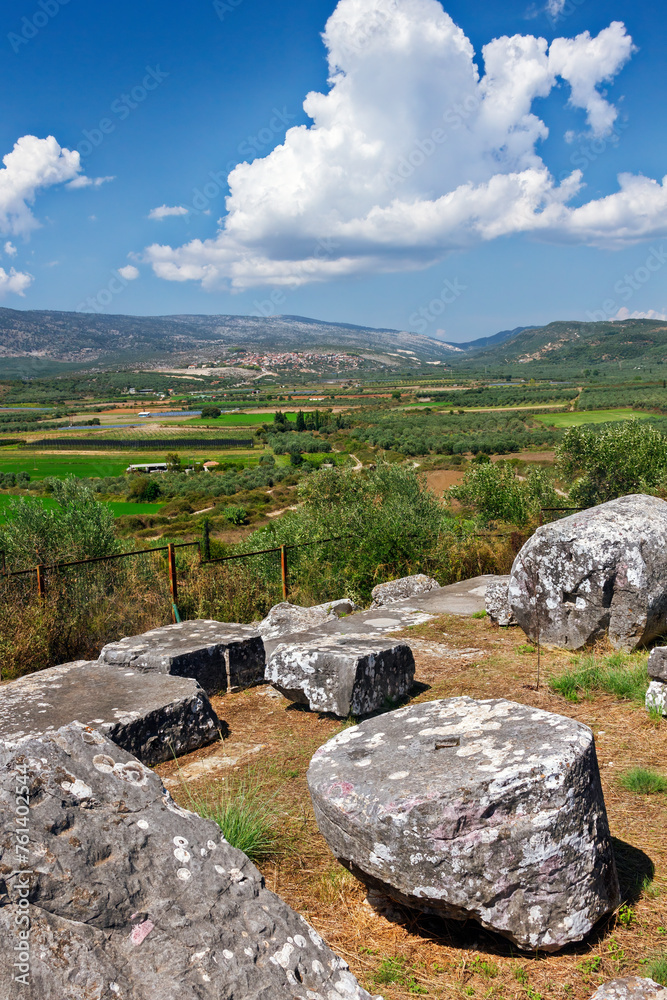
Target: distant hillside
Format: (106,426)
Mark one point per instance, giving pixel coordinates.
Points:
(582,344)
(50,342)
(82,338)
(497,338)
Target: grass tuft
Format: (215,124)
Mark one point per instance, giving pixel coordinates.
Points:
(657,969)
(643,781)
(393,970)
(246,817)
(620,674)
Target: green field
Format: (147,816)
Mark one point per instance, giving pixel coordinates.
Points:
(119,507)
(40,465)
(230,420)
(589,417)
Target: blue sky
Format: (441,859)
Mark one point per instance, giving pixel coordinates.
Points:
(380,210)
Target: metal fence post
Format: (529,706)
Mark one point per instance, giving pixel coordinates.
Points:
(173,578)
(207,540)
(41,581)
(283,569)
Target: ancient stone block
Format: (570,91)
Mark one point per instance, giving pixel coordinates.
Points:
(630,988)
(288,619)
(601,571)
(657,664)
(342,674)
(656,697)
(153,716)
(132,897)
(397,590)
(488,810)
(219,655)
(497,602)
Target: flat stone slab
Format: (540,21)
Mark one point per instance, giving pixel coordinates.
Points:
(219,655)
(488,810)
(630,988)
(133,898)
(465,598)
(153,716)
(656,697)
(343,674)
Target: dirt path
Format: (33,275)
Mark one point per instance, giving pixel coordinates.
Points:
(441,479)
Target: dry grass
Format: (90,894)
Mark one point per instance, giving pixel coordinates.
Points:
(437,959)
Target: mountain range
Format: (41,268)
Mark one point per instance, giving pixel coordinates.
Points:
(50,341)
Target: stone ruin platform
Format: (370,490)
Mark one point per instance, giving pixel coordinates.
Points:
(346,674)
(219,655)
(153,716)
(465,598)
(134,897)
(488,810)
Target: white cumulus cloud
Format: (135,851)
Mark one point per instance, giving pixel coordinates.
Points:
(13,281)
(129,272)
(164,211)
(32,165)
(414,152)
(624,313)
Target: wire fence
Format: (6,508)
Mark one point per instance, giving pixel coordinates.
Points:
(59,612)
(94,579)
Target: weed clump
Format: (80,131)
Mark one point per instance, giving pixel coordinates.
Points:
(657,969)
(393,970)
(245,816)
(620,674)
(643,781)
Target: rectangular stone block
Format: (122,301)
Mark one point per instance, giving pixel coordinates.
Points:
(153,716)
(343,674)
(656,697)
(219,655)
(657,664)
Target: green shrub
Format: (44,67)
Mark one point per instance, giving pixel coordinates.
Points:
(236,514)
(622,675)
(143,490)
(612,460)
(80,527)
(494,492)
(643,781)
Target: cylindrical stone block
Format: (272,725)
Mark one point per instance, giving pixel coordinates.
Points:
(488,810)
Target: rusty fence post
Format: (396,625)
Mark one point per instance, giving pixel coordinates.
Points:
(173,578)
(41,580)
(283,569)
